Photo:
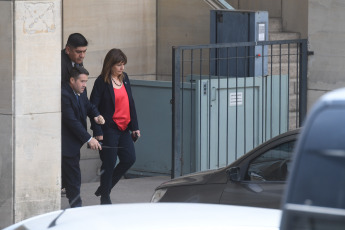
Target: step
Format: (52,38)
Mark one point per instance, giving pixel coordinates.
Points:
(275,25)
(275,36)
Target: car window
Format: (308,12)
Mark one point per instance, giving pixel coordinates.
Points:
(322,183)
(272,165)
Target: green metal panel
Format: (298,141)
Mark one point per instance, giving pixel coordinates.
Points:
(231,114)
(218,134)
(153,149)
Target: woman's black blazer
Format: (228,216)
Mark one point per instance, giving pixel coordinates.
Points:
(103,97)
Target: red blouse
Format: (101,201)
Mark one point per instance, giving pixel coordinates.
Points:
(121,115)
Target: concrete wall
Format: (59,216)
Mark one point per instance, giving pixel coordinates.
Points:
(272,6)
(294,13)
(295,16)
(179,22)
(6,110)
(29,109)
(128,25)
(326,34)
(37,90)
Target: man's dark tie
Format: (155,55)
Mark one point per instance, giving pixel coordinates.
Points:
(79,106)
(78,100)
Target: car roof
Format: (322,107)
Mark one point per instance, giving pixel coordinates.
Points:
(157,216)
(333,96)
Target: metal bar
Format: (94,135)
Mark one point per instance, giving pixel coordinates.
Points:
(227,107)
(280,85)
(209,119)
(288,89)
(303,84)
(271,96)
(253,115)
(245,113)
(218,113)
(298,83)
(262,96)
(176,114)
(238,44)
(236,120)
(191,106)
(182,110)
(200,89)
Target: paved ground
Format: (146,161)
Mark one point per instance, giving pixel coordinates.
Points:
(136,190)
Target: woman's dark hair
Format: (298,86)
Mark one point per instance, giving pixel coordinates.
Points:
(114,56)
(76,40)
(77,70)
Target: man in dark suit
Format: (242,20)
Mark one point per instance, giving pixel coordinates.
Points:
(75,107)
(73,54)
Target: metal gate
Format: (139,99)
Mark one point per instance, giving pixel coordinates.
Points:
(219,114)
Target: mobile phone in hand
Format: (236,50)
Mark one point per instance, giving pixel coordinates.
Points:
(135,137)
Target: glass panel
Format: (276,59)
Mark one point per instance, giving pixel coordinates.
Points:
(322,183)
(273,165)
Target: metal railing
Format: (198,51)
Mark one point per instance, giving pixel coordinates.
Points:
(229,98)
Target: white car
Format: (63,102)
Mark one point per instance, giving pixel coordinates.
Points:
(156,216)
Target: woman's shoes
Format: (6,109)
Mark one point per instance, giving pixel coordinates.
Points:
(105,200)
(98,192)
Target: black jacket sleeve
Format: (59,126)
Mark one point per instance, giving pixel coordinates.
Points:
(70,118)
(95,99)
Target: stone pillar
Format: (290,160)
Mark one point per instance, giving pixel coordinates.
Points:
(30,114)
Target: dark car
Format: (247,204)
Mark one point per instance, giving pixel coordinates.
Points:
(256,179)
(315,193)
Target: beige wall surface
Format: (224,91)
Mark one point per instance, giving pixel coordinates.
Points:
(272,6)
(326,69)
(6,38)
(37,127)
(294,13)
(6,171)
(106,24)
(295,16)
(179,22)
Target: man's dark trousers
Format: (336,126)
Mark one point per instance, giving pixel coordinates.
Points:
(73,136)
(71,177)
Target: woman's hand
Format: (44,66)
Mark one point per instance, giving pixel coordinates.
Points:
(135,135)
(136,132)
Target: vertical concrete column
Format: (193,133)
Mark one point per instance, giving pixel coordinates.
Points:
(30,119)
(6,121)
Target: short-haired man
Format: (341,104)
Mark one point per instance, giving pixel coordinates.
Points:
(73,54)
(75,107)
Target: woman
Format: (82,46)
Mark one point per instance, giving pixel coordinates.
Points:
(112,95)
